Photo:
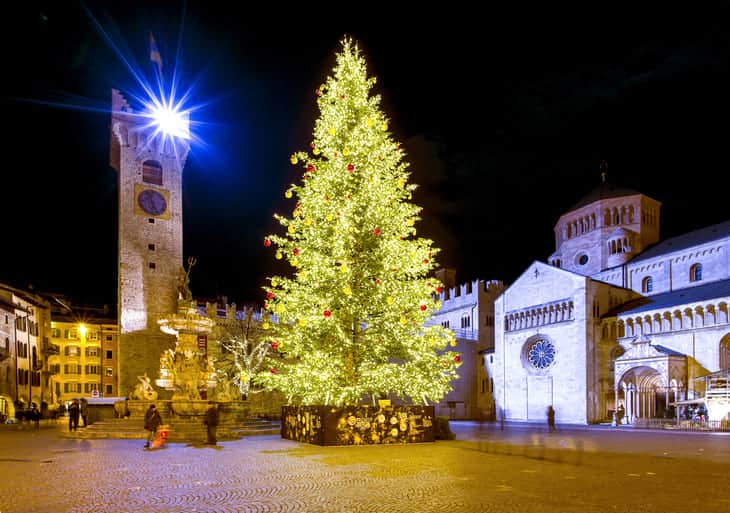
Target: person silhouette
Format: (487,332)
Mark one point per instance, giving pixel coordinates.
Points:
(551,418)
(74,410)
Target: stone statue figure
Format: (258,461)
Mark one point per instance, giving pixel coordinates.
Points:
(144,390)
(183,285)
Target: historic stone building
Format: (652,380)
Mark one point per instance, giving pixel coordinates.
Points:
(149,166)
(468,310)
(84,359)
(617,317)
(24,373)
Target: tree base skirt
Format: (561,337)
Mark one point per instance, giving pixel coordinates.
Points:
(358,425)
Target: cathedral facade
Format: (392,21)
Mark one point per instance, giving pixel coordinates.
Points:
(616,318)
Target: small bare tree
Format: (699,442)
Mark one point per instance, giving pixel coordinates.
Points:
(244,348)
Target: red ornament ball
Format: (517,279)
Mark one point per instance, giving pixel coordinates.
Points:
(327,313)
(310,168)
(275,346)
(423,308)
(269,295)
(273,370)
(267,243)
(295,251)
(376,231)
(457,358)
(350,168)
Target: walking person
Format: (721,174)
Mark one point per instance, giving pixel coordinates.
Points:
(551,419)
(74,410)
(152,420)
(35,415)
(211,422)
(84,410)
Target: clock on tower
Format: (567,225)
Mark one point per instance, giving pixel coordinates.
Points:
(151,201)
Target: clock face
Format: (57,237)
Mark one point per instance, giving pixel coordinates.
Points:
(152,202)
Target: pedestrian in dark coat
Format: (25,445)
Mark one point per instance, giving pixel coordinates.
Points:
(551,418)
(152,420)
(74,410)
(211,422)
(35,415)
(84,410)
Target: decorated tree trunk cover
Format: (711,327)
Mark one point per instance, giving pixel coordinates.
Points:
(358,425)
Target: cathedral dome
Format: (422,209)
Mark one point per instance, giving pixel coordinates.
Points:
(604,191)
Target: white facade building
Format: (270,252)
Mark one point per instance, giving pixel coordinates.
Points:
(617,317)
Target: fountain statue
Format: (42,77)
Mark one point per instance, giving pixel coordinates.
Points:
(187,370)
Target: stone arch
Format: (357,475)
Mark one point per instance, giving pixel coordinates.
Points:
(725,352)
(643,391)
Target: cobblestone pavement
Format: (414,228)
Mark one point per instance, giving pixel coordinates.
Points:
(484,470)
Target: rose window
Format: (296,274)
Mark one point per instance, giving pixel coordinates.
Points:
(541,354)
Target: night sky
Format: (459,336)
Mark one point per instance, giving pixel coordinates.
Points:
(504,116)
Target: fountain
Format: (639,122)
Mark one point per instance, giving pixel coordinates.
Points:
(187,370)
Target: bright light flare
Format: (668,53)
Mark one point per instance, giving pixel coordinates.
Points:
(171,122)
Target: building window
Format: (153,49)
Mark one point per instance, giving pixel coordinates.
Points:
(71,351)
(582,259)
(539,353)
(725,354)
(109,390)
(695,272)
(109,338)
(152,172)
(465,322)
(445,324)
(109,371)
(151,247)
(55,333)
(152,265)
(647,285)
(108,355)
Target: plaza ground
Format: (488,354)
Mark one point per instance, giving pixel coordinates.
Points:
(485,469)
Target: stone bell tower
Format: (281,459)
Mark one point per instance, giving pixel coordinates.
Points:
(149,168)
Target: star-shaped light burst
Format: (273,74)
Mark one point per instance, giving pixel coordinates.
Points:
(170,121)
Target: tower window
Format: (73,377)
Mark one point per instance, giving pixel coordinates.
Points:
(151,247)
(695,272)
(151,220)
(152,172)
(152,265)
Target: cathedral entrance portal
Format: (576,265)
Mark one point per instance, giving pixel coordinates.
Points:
(643,393)
(648,379)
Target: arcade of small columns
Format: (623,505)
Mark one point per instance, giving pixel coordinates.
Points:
(640,387)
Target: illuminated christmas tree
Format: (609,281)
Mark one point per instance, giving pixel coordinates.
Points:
(351,317)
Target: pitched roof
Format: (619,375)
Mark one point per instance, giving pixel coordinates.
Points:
(605,190)
(712,290)
(694,238)
(667,351)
